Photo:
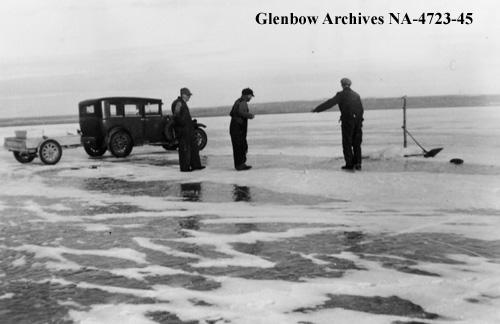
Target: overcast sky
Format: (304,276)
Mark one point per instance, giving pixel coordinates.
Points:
(56,53)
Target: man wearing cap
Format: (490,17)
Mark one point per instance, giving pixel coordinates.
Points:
(351,115)
(240,115)
(189,154)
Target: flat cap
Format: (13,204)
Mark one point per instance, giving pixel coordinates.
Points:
(247,91)
(345,81)
(185,91)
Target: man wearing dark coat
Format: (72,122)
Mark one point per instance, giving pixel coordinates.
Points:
(189,154)
(351,115)
(238,128)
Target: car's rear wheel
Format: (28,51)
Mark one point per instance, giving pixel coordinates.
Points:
(120,144)
(50,152)
(94,151)
(24,157)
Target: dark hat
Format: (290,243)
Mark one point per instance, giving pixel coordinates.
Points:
(185,91)
(345,81)
(247,91)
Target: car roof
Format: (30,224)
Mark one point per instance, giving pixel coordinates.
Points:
(122,99)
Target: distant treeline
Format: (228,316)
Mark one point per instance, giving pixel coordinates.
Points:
(368,104)
(296,107)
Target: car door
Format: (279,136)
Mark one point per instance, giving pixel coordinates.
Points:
(134,121)
(153,122)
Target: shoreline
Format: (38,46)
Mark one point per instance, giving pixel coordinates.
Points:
(287,107)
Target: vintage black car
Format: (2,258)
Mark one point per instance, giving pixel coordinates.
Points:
(120,123)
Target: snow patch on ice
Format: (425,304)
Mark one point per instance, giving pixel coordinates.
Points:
(7,296)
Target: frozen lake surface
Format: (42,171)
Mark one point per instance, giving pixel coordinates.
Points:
(293,240)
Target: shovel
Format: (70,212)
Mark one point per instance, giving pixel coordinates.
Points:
(426,154)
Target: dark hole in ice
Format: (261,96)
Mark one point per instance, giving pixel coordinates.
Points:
(242,193)
(190,223)
(202,192)
(392,305)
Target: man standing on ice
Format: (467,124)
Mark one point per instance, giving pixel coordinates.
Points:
(351,115)
(189,155)
(240,115)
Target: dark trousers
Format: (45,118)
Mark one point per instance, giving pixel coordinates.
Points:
(239,141)
(352,136)
(189,154)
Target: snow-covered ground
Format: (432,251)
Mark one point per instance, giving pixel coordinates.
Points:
(293,240)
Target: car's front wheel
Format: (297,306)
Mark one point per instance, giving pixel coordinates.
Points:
(201,138)
(120,144)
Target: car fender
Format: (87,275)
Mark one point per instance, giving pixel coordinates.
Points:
(44,140)
(196,124)
(115,130)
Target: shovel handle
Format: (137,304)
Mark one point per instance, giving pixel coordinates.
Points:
(414,140)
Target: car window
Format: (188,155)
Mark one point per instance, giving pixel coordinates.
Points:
(132,110)
(152,109)
(115,111)
(87,110)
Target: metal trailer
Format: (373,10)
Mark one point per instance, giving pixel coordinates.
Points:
(49,148)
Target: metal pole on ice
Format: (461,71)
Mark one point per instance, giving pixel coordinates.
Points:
(404,122)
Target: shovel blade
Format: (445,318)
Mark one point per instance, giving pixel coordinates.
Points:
(433,152)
